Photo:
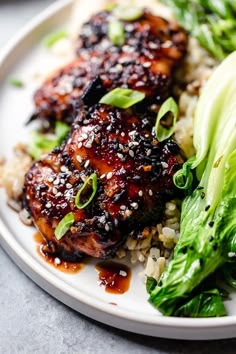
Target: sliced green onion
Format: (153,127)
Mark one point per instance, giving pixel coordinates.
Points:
(61,131)
(40,144)
(54,37)
(183,178)
(116,32)
(128,13)
(110,6)
(16,83)
(89,184)
(163,128)
(44,143)
(122,97)
(64,225)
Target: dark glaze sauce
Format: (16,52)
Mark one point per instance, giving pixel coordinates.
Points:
(115,277)
(63,266)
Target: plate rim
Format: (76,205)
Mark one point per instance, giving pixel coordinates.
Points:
(45,279)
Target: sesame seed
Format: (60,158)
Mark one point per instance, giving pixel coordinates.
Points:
(107,228)
(147,64)
(134,205)
(80,138)
(62,181)
(149,152)
(54,190)
(48,205)
(123,273)
(150,192)
(131,153)
(80,145)
(164,164)
(86,164)
(119,67)
(103,176)
(153,45)
(56,181)
(122,134)
(132,133)
(122,207)
(120,155)
(68,185)
(115,222)
(50,179)
(102,219)
(140,193)
(109,175)
(79,158)
(64,169)
(84,136)
(88,145)
(57,261)
(58,194)
(121,146)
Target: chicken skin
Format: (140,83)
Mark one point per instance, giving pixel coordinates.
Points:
(146,61)
(133,175)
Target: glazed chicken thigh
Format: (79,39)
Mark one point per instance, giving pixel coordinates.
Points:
(133,175)
(152,49)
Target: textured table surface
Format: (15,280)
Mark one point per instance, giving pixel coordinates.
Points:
(31,321)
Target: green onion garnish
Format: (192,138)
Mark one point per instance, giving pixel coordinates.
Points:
(183,178)
(116,32)
(122,97)
(61,131)
(16,83)
(110,6)
(64,225)
(54,37)
(166,119)
(128,13)
(87,192)
(44,143)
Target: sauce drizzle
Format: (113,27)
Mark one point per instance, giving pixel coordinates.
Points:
(56,262)
(113,276)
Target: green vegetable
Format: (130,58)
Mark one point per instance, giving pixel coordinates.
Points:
(54,37)
(128,13)
(44,143)
(212,22)
(87,192)
(183,178)
(116,32)
(64,225)
(16,83)
(208,225)
(122,97)
(166,119)
(208,303)
(61,131)
(229,273)
(110,6)
(151,283)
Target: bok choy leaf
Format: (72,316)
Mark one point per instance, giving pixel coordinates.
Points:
(208,219)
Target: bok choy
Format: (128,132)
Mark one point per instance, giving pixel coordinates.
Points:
(212,22)
(208,219)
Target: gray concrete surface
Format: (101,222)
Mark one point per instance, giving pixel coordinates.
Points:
(31,321)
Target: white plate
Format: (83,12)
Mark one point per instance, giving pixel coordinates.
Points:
(79,291)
